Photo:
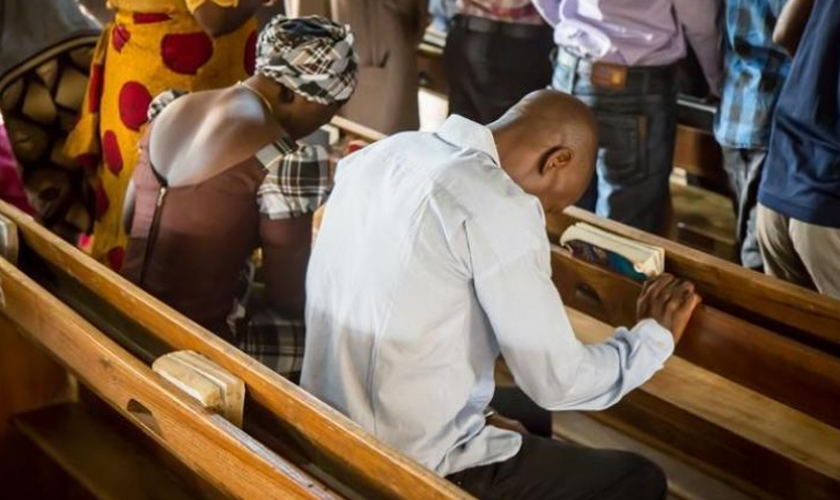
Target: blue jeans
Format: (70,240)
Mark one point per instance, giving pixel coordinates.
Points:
(637,129)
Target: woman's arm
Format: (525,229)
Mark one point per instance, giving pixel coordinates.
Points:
(286,245)
(791,24)
(219,17)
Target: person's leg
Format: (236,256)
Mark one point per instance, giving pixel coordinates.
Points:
(819,249)
(743,168)
(636,158)
(459,60)
(781,259)
(637,133)
(552,470)
(490,72)
(507,68)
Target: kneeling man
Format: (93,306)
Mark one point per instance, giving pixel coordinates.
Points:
(433,259)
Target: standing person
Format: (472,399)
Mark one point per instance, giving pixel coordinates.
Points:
(756,68)
(497,51)
(387,34)
(221,174)
(619,57)
(432,260)
(799,196)
(152,46)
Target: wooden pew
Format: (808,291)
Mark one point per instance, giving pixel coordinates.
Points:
(316,439)
(227,458)
(775,395)
(740,436)
(99,458)
(781,307)
(793,373)
(743,436)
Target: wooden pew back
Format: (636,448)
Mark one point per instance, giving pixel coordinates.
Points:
(335,449)
(795,374)
(222,454)
(779,306)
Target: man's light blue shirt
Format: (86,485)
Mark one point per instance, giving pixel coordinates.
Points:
(430,262)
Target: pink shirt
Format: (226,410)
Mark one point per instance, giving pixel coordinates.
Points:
(509,11)
(639,32)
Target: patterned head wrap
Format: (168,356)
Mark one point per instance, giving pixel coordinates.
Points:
(312,56)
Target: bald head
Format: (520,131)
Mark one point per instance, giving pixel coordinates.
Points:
(547,143)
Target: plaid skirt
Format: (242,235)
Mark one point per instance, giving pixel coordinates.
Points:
(260,332)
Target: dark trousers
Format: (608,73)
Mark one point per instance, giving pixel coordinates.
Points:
(552,470)
(637,126)
(492,65)
(743,167)
(511,402)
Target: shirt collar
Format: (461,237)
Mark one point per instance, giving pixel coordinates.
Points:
(468,134)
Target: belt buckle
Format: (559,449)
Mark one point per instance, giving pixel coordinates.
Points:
(610,76)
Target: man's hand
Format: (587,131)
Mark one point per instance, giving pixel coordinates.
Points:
(670,301)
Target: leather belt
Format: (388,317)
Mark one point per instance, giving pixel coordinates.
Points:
(512,30)
(615,76)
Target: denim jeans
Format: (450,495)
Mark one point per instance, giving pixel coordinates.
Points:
(743,167)
(637,129)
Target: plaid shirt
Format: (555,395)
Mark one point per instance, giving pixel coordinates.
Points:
(755,71)
(298,179)
(510,11)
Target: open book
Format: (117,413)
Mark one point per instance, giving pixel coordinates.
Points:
(616,253)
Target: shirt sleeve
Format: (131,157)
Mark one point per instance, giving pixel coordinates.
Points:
(296,184)
(192,5)
(535,335)
(701,20)
(549,10)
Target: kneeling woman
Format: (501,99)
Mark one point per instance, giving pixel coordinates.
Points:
(220,175)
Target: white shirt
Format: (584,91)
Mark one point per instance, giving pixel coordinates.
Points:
(430,262)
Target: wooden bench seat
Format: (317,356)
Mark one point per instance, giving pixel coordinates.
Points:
(101,459)
(736,434)
(685,481)
(223,455)
(325,444)
(749,436)
(793,373)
